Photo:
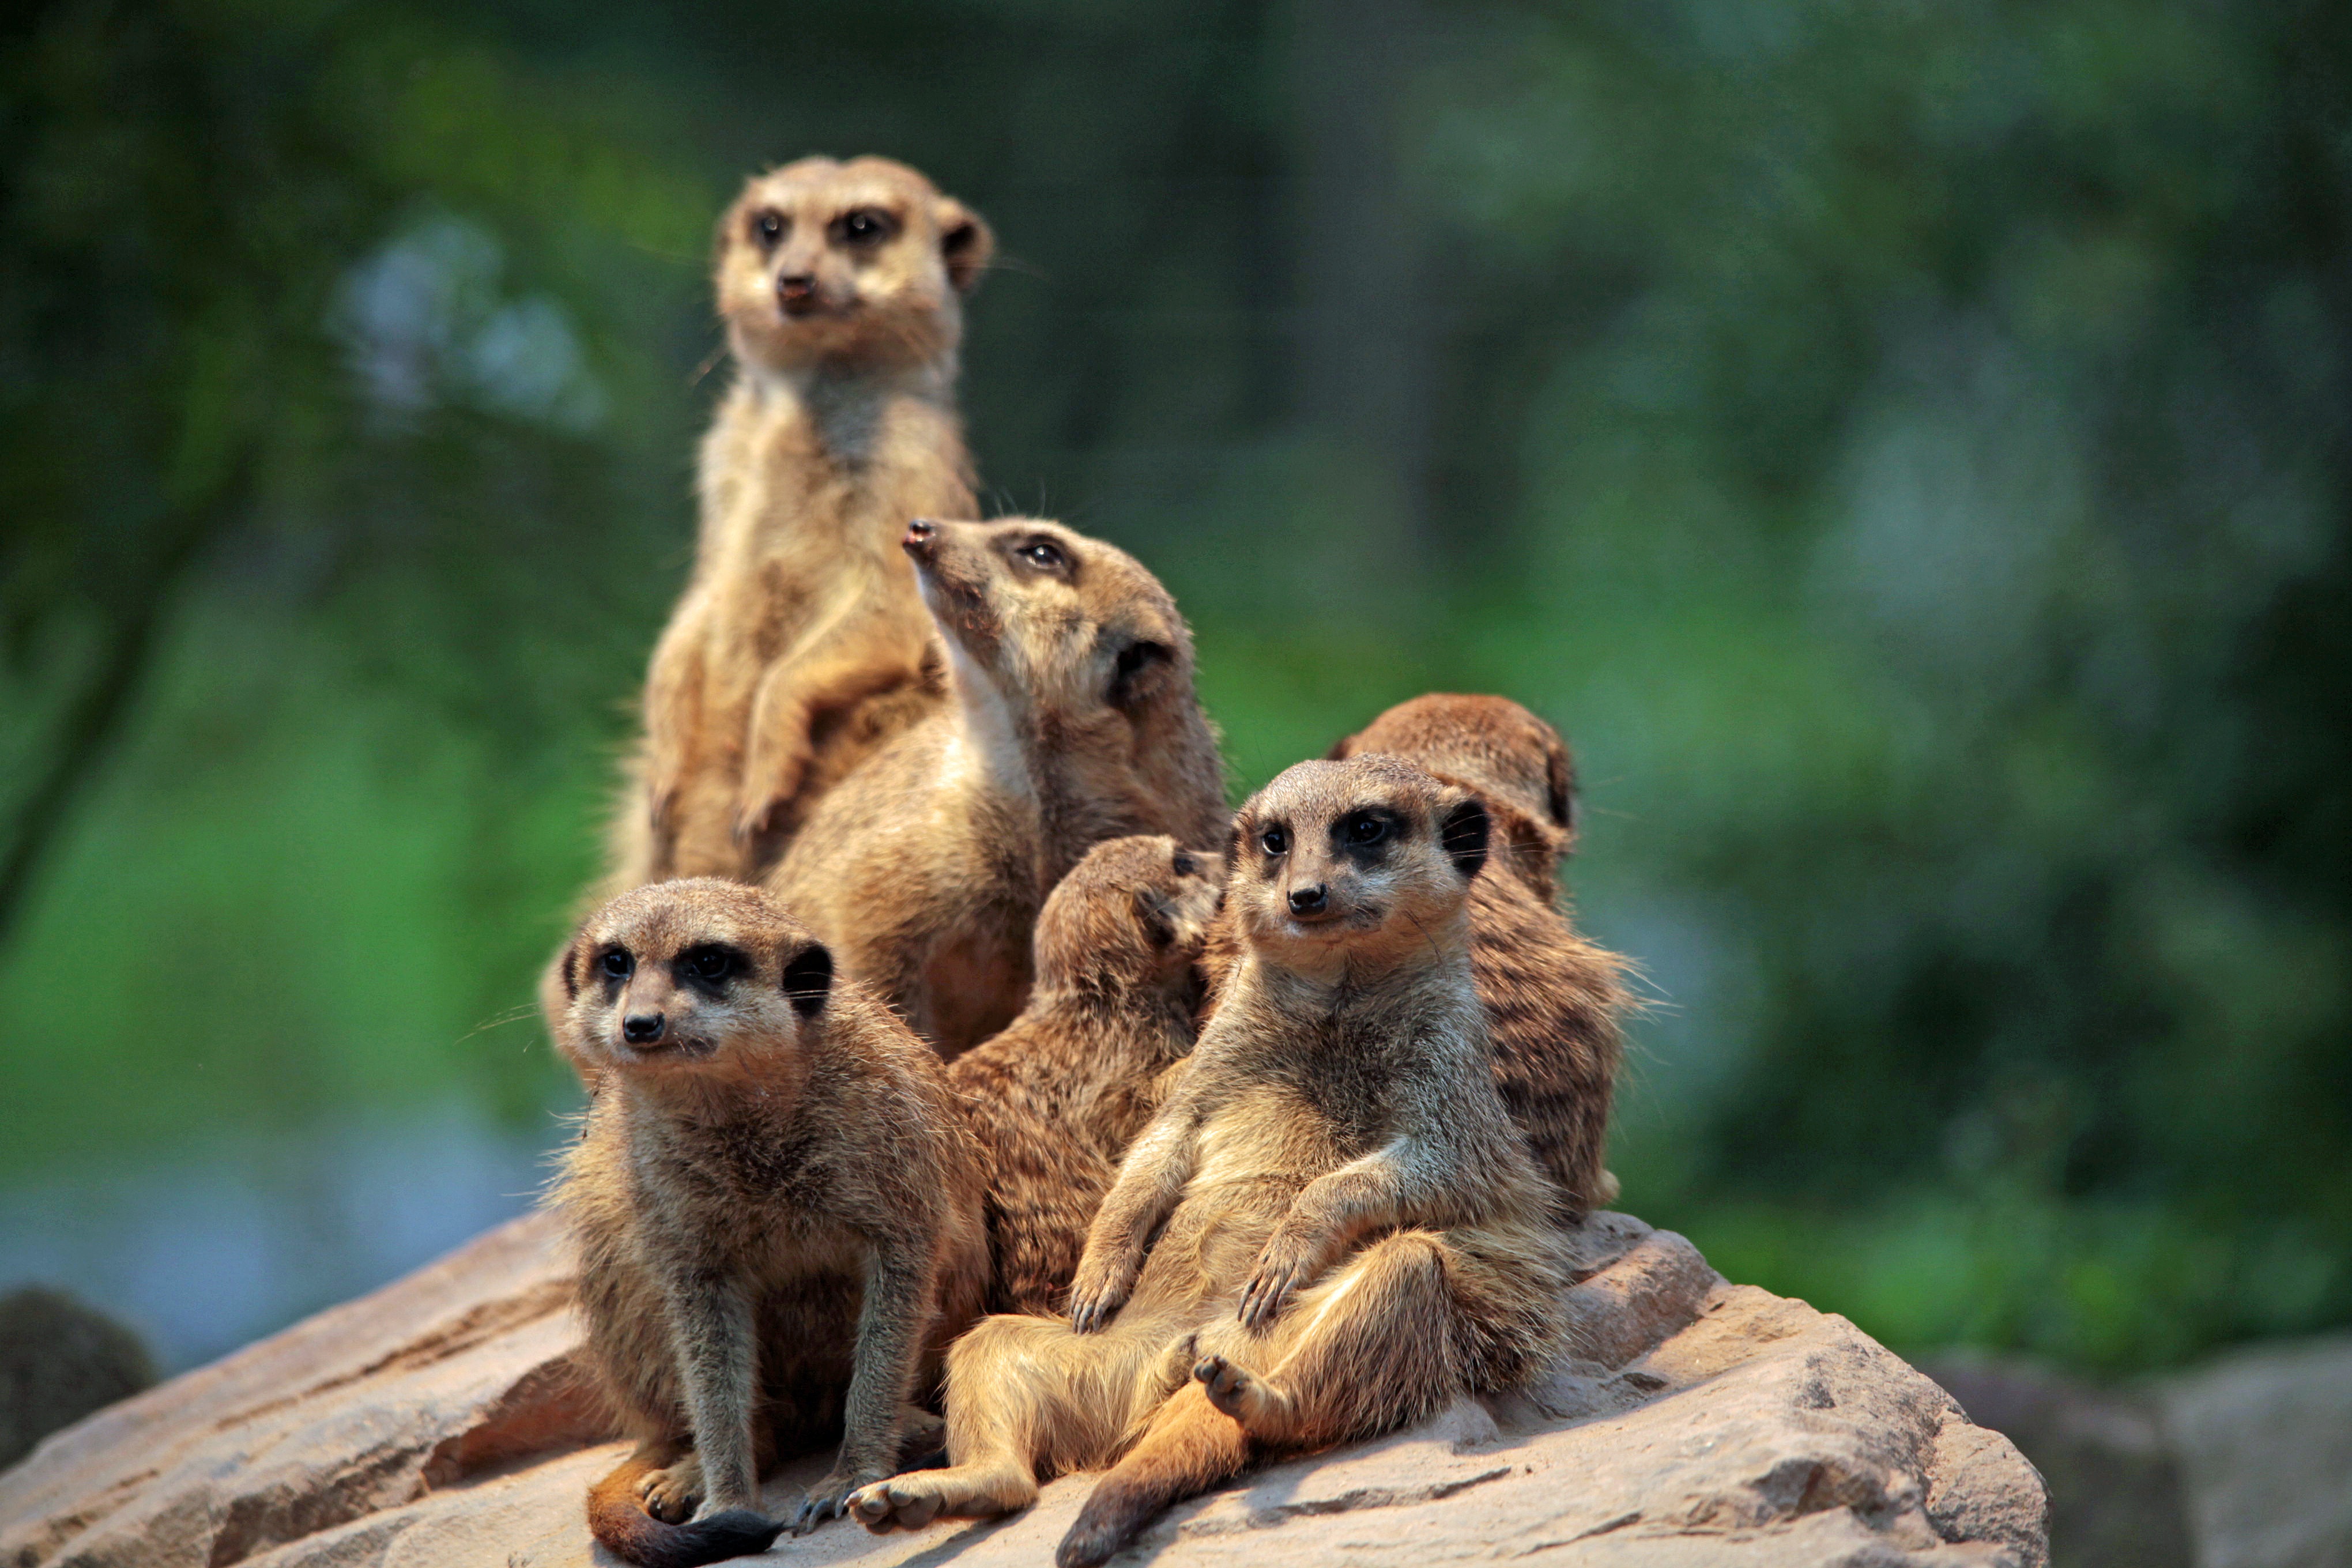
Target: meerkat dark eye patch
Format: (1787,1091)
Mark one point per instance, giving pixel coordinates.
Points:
(1183,865)
(1134,665)
(1464,835)
(615,964)
(1363,829)
(808,979)
(1038,553)
(864,226)
(709,966)
(769,227)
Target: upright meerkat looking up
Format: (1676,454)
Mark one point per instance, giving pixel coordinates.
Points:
(1553,999)
(1072,719)
(1057,1096)
(799,644)
(1332,1228)
(777,1208)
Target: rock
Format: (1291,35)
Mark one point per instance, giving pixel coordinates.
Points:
(2116,1494)
(2264,1442)
(436,1424)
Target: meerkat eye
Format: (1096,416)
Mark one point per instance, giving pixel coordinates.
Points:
(866,225)
(618,964)
(1277,840)
(768,227)
(709,965)
(1363,828)
(1184,865)
(1043,554)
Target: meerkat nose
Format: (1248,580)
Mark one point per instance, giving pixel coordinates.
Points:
(921,534)
(1307,900)
(642,1028)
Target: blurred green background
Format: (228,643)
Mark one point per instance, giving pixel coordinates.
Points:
(1905,448)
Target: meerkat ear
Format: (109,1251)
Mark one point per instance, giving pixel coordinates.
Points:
(965,243)
(1341,749)
(1158,920)
(808,979)
(1131,673)
(569,968)
(1464,834)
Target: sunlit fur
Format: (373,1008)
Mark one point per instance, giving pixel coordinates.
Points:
(1329,1230)
(777,1209)
(1057,1096)
(1073,719)
(799,645)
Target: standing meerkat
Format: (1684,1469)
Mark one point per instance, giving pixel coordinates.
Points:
(799,644)
(1331,1229)
(1072,719)
(777,1210)
(1055,1098)
(1554,1000)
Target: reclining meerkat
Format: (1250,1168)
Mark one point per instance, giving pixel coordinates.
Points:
(1072,719)
(1553,999)
(799,645)
(777,1210)
(1055,1098)
(1330,1230)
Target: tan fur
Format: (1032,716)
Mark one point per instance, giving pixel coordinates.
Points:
(776,1205)
(799,645)
(1057,1098)
(1554,1001)
(1073,721)
(1332,1228)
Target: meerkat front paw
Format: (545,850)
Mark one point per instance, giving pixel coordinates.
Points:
(829,1498)
(767,791)
(1286,1265)
(1098,1292)
(672,1495)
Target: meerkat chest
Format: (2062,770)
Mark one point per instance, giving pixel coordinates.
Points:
(1282,1131)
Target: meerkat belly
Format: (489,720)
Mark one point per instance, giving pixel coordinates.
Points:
(1252,1159)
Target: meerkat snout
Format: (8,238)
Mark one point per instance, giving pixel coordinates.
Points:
(921,534)
(796,292)
(642,1028)
(1309,900)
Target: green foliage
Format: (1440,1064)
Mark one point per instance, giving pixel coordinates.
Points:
(1903,447)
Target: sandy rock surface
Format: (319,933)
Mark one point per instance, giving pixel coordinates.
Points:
(435,1425)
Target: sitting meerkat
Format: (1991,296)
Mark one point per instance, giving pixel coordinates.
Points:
(799,645)
(1057,1098)
(1553,999)
(1072,719)
(777,1210)
(1332,1228)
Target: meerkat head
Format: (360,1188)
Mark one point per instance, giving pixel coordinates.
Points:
(864,263)
(1053,620)
(1371,856)
(1504,752)
(699,976)
(1134,911)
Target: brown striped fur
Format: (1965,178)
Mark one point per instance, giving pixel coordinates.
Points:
(776,1205)
(1057,1096)
(1332,1228)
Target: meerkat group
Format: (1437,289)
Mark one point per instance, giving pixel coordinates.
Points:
(962,1071)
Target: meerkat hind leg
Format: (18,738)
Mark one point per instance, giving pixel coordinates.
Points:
(1369,1347)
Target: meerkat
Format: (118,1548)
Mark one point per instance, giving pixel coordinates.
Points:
(1329,1230)
(777,1210)
(1055,1098)
(1554,1000)
(799,644)
(1072,719)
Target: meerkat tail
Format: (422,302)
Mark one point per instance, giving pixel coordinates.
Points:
(617,1519)
(1189,1447)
